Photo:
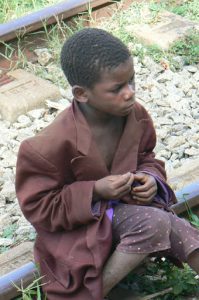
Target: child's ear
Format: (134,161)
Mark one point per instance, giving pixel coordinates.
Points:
(79,93)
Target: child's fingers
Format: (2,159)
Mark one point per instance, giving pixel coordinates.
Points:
(145,197)
(140,177)
(123,191)
(148,182)
(131,180)
(143,188)
(122,180)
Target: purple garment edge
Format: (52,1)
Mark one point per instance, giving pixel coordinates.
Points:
(163,195)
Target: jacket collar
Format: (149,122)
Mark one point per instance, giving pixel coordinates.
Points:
(125,157)
(83,131)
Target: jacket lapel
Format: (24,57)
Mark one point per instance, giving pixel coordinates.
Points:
(89,165)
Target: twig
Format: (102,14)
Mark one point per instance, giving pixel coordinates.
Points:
(152,296)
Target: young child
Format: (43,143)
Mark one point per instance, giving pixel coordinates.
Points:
(90,184)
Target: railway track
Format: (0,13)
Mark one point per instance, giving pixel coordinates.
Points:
(188,195)
(21,28)
(62,11)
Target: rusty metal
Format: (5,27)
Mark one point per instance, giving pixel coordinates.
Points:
(49,15)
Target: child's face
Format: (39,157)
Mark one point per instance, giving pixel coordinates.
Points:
(115,92)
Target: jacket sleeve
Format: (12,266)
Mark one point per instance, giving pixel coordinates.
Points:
(45,201)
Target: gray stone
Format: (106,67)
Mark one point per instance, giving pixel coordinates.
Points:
(196,76)
(23,230)
(4,242)
(192,151)
(164,153)
(4,221)
(169,28)
(162,133)
(24,120)
(176,163)
(8,191)
(191,69)
(24,93)
(175,141)
(44,56)
(166,76)
(36,113)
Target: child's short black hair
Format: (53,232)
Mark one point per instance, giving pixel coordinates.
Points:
(89,52)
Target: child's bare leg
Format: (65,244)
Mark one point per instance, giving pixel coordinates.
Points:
(193,260)
(117,267)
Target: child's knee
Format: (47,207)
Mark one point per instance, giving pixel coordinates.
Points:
(160,226)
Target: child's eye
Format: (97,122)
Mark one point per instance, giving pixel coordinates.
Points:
(116,90)
(131,80)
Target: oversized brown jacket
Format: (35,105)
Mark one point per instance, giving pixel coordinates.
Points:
(55,176)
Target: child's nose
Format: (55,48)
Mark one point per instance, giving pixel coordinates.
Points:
(129,92)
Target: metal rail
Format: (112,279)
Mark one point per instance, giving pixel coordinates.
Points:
(66,10)
(49,15)
(23,275)
(189,195)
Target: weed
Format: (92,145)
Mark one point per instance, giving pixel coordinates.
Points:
(187,48)
(188,9)
(193,219)
(32,291)
(3,249)
(14,53)
(121,25)
(161,274)
(155,52)
(10,10)
(9,231)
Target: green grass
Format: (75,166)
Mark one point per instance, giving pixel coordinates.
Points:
(161,274)
(188,9)
(187,48)
(31,292)
(119,24)
(12,9)
(9,233)
(193,219)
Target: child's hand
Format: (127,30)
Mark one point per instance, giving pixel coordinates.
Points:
(114,186)
(144,193)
